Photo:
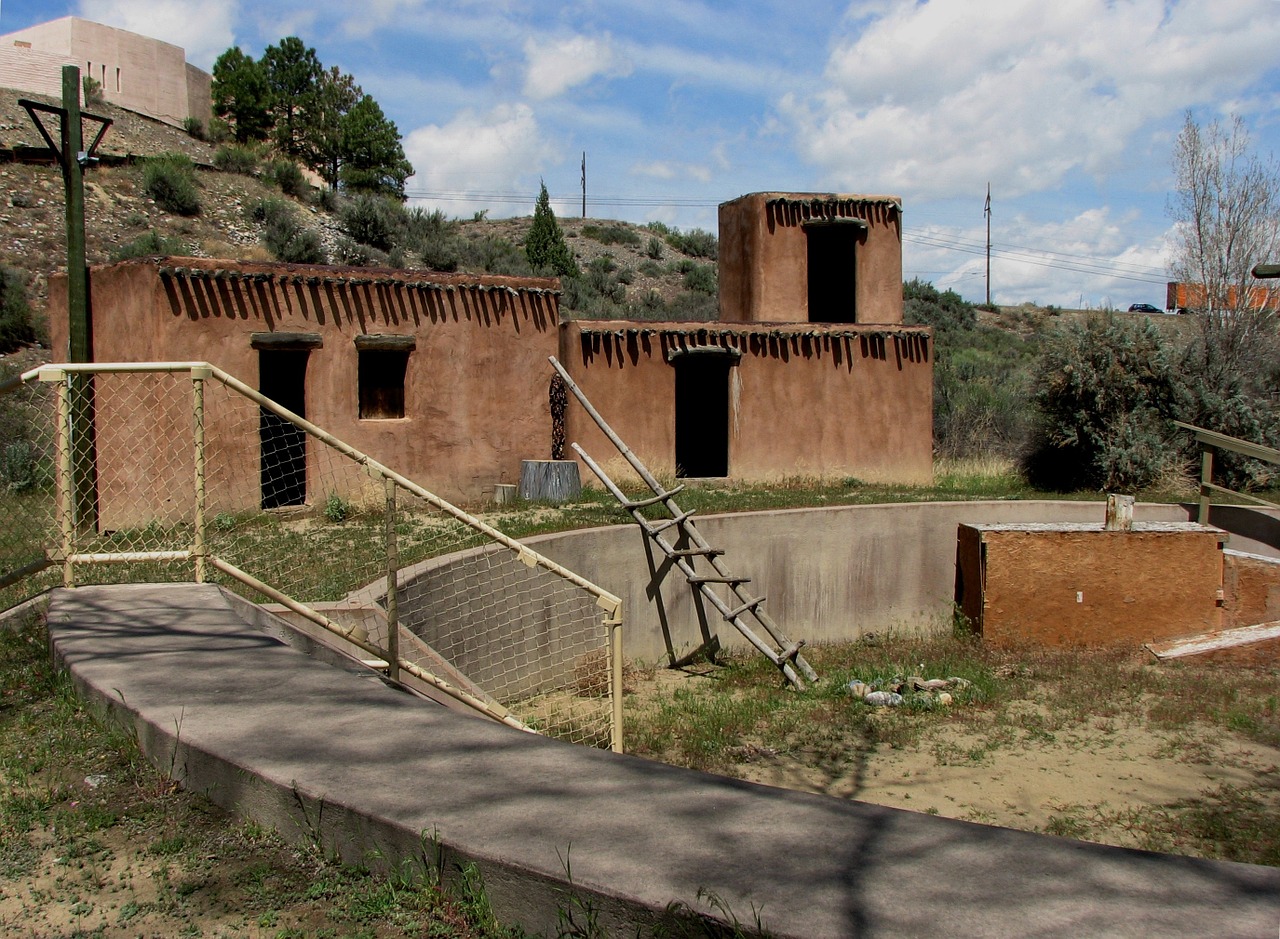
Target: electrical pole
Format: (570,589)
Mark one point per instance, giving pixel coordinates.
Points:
(584,183)
(73,156)
(987,212)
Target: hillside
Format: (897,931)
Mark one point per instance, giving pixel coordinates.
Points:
(627,269)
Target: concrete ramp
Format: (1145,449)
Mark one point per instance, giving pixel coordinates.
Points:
(326,754)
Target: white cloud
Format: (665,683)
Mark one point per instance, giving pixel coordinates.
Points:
(933,98)
(204,28)
(494,152)
(555,66)
(1093,260)
(663,169)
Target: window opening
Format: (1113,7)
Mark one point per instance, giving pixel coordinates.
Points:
(382,374)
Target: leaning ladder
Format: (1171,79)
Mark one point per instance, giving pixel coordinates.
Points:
(740,609)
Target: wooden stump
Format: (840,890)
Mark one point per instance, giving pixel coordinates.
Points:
(504,493)
(549,480)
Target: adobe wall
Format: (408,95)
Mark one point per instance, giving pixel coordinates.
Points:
(476,386)
(813,400)
(764,256)
(136,72)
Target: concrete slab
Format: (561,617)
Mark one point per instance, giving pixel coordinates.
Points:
(372,772)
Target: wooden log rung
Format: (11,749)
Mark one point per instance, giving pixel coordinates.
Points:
(669,523)
(695,552)
(790,652)
(739,610)
(718,579)
(645,503)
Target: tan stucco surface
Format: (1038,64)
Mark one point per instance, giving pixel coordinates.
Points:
(476,389)
(812,400)
(764,256)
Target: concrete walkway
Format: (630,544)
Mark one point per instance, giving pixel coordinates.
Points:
(325,754)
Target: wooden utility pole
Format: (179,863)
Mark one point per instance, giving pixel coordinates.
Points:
(987,212)
(73,157)
(584,183)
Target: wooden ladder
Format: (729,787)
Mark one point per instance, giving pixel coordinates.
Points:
(743,611)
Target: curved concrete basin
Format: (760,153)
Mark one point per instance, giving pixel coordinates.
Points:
(333,756)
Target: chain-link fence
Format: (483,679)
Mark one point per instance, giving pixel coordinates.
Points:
(169,472)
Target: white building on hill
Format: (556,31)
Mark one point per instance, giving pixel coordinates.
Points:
(136,72)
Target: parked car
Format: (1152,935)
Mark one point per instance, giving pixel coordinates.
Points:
(1144,308)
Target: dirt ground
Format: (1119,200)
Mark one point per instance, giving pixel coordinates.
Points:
(1096,779)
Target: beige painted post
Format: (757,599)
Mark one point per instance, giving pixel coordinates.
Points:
(66,516)
(614,622)
(393,574)
(198,376)
(1206,480)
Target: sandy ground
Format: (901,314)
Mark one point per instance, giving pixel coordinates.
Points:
(1093,779)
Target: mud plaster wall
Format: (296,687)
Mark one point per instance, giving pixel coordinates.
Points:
(476,399)
(1136,586)
(764,256)
(812,400)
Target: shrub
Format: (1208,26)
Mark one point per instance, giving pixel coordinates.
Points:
(650,268)
(170,181)
(236,158)
(1105,393)
(701,278)
(696,243)
(352,253)
(16,328)
(151,244)
(18,466)
(194,128)
(376,221)
(287,176)
(219,131)
(92,92)
(285,237)
(653,249)
(611,234)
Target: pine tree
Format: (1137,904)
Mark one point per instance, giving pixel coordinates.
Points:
(241,95)
(545,245)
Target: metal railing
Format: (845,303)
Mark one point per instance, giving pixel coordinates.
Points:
(178,471)
(1211,442)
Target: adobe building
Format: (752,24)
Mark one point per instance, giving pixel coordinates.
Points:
(136,72)
(445,378)
(792,257)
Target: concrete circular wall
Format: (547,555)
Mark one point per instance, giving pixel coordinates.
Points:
(830,573)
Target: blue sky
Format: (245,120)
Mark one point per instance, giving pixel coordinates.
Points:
(1068,108)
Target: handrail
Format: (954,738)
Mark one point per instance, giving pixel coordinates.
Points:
(1211,441)
(199,550)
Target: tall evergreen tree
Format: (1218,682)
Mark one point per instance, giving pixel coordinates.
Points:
(373,159)
(293,74)
(325,146)
(545,246)
(241,95)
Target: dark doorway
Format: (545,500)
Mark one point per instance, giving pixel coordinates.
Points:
(833,270)
(282,377)
(702,414)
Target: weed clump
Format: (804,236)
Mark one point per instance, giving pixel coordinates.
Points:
(170,181)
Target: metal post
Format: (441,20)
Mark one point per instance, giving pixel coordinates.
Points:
(393,574)
(198,548)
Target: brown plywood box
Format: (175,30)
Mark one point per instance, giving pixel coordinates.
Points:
(1077,584)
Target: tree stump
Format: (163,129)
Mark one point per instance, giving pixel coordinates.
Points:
(549,480)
